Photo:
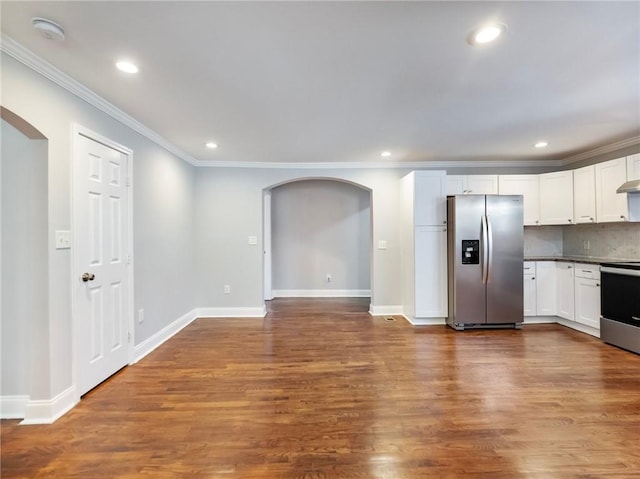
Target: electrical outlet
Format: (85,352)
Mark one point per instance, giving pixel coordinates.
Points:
(63,239)
(227,289)
(141,315)
(328,278)
(586,245)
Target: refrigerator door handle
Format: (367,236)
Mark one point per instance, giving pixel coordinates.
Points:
(489,249)
(485,250)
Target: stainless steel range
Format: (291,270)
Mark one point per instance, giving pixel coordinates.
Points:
(620,305)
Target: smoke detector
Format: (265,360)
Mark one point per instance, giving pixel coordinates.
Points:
(48,29)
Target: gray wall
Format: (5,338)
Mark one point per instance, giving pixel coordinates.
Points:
(163,221)
(229,209)
(24,259)
(320,227)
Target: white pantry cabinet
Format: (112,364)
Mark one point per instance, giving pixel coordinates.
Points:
(431,272)
(611,206)
(584,194)
(545,288)
(472,184)
(528,187)
(565,283)
(633,167)
(556,198)
(430,198)
(424,246)
(587,295)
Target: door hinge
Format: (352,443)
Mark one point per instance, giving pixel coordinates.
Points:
(127,182)
(128,337)
(128,259)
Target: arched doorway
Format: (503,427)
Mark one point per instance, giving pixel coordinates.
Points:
(24,263)
(317,239)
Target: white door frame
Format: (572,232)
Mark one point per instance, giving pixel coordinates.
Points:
(266,243)
(77,132)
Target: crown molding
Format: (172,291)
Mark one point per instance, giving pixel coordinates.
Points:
(372,165)
(44,68)
(585,155)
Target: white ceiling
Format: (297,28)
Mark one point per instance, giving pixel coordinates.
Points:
(341,81)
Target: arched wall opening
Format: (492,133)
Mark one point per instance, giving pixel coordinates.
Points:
(317,239)
(24,292)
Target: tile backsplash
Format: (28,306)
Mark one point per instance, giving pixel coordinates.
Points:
(604,240)
(542,241)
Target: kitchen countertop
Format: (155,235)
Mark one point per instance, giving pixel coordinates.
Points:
(579,259)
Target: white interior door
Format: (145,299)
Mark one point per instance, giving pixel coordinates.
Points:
(102,289)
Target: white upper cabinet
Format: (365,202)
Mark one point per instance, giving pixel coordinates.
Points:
(556,198)
(584,195)
(472,184)
(430,198)
(456,185)
(611,206)
(633,167)
(528,187)
(482,184)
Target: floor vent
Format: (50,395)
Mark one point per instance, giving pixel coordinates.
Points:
(389,318)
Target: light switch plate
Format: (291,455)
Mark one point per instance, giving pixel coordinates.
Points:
(382,244)
(63,239)
(253,240)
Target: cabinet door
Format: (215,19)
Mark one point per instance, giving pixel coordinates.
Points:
(545,288)
(456,184)
(588,302)
(482,184)
(556,198)
(584,194)
(430,199)
(611,206)
(633,167)
(527,186)
(529,295)
(431,272)
(565,290)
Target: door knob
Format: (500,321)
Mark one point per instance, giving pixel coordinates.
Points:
(88,277)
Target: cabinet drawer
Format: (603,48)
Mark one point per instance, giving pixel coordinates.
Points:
(588,271)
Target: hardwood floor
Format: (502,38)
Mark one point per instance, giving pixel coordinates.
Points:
(319,389)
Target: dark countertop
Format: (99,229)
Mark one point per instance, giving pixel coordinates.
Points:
(579,259)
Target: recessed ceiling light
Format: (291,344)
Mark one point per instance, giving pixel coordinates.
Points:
(486,34)
(541,144)
(211,144)
(48,29)
(385,154)
(126,66)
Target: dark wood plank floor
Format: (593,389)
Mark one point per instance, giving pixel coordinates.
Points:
(319,389)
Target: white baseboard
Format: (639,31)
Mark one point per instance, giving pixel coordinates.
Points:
(426,321)
(47,411)
(321,293)
(149,344)
(583,328)
(259,312)
(540,319)
(389,310)
(13,407)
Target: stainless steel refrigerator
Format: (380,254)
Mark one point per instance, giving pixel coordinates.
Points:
(485,254)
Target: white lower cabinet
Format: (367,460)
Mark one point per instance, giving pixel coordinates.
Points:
(587,295)
(564,289)
(565,286)
(431,272)
(545,288)
(529,289)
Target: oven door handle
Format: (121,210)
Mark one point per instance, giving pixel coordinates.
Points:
(625,272)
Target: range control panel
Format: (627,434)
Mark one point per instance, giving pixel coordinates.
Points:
(470,251)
